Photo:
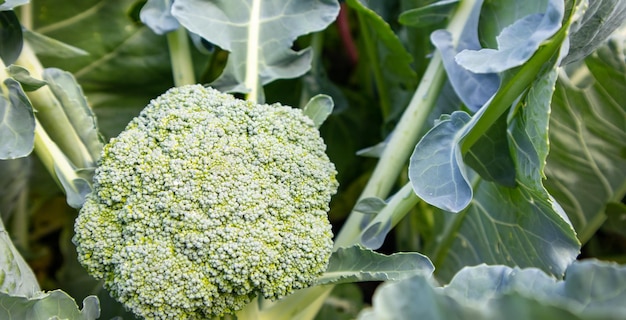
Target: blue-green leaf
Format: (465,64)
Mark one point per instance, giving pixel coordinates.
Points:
(354,264)
(472,88)
(17,122)
(52,305)
(591,290)
(232,25)
(519,226)
(157,15)
(517,42)
(436,169)
(489,156)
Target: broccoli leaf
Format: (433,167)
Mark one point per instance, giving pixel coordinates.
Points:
(473,89)
(517,42)
(495,226)
(52,305)
(599,22)
(17,122)
(16,277)
(591,290)
(157,15)
(436,168)
(354,264)
(586,167)
(258,34)
(22,75)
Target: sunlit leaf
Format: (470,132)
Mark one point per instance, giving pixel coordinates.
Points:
(157,15)
(516,43)
(519,225)
(233,25)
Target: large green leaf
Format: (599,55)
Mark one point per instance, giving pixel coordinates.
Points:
(126,63)
(122,52)
(591,290)
(258,34)
(586,168)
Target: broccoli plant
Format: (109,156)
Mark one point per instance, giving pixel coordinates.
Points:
(248,159)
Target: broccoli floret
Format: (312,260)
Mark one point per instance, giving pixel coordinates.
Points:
(205,201)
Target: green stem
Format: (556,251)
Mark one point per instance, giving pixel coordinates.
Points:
(180,57)
(52,116)
(53,159)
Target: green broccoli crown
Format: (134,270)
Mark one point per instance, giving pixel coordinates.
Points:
(206,201)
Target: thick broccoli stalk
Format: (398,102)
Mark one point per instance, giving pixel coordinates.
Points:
(206,201)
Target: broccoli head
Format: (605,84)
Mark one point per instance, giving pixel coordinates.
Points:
(205,201)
